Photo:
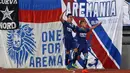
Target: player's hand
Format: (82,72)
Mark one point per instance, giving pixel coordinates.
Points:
(100,23)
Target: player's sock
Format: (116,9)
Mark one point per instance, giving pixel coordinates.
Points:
(85,60)
(66,59)
(85,63)
(75,56)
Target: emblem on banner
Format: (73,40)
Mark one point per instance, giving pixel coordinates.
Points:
(21,44)
(8,14)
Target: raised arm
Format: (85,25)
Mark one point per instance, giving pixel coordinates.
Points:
(61,16)
(95,25)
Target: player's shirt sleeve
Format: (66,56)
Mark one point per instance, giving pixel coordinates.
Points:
(78,29)
(87,30)
(63,22)
(73,27)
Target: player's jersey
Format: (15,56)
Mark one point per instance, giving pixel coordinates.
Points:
(67,29)
(81,34)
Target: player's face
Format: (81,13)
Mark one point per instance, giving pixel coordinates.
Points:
(84,24)
(70,18)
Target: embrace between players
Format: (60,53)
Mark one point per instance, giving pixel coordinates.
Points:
(71,44)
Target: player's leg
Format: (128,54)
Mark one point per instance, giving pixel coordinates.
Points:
(69,44)
(85,53)
(75,45)
(85,60)
(75,57)
(67,51)
(85,63)
(67,56)
(96,59)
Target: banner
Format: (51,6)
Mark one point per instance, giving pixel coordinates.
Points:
(9,14)
(39,41)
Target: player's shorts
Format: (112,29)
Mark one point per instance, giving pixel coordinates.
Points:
(83,47)
(69,44)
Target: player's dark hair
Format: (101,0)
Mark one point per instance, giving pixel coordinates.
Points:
(69,15)
(81,21)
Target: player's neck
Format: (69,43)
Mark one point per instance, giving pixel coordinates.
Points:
(83,27)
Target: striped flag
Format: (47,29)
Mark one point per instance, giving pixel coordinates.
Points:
(39,19)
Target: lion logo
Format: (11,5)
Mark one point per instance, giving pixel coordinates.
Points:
(21,44)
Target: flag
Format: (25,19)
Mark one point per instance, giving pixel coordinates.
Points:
(38,43)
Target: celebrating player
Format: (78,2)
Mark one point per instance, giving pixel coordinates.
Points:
(69,42)
(81,40)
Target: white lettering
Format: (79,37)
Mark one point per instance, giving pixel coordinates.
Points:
(82,10)
(9,25)
(68,8)
(8,2)
(93,9)
(75,9)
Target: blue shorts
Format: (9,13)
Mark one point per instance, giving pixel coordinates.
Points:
(83,47)
(69,44)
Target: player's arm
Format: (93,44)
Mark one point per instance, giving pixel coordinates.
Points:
(79,29)
(61,16)
(76,29)
(95,25)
